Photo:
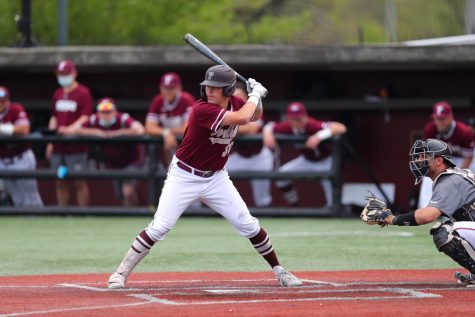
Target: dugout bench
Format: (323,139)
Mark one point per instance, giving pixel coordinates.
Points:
(152,174)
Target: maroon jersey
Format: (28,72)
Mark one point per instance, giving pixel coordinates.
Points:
(14,114)
(206,143)
(322,151)
(459,137)
(67,108)
(248,149)
(171,115)
(117,155)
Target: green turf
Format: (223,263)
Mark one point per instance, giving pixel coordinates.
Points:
(50,245)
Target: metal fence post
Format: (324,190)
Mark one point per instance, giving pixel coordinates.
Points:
(152,171)
(336,178)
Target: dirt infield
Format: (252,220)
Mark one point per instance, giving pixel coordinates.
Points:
(355,293)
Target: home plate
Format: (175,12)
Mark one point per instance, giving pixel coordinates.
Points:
(230,291)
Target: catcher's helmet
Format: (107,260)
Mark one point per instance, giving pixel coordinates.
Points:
(422,151)
(219,76)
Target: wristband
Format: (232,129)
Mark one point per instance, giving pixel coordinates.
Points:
(324,134)
(7,128)
(165,132)
(407,219)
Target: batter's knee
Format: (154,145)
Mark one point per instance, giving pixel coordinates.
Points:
(156,231)
(249,228)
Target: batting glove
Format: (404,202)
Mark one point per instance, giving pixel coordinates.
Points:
(258,91)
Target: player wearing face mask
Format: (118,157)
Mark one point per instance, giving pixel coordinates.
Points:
(71,106)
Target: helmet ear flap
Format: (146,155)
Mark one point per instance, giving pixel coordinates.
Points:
(229,90)
(203,92)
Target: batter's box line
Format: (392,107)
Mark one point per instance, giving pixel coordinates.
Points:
(71,309)
(132,289)
(404,294)
(187,281)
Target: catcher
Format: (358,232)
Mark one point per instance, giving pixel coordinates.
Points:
(452,204)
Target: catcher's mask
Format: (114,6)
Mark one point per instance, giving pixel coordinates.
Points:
(423,151)
(219,76)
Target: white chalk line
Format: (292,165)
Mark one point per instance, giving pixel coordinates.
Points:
(403,293)
(70,309)
(344,234)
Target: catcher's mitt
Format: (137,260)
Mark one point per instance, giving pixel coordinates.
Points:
(375,211)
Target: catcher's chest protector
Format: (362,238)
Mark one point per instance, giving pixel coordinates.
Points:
(467,211)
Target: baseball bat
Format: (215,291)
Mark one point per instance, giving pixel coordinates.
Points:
(207,52)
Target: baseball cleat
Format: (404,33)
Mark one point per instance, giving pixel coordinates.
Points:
(467,279)
(287,279)
(116,281)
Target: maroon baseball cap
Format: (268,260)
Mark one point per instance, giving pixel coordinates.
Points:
(170,80)
(296,109)
(65,67)
(4,93)
(442,109)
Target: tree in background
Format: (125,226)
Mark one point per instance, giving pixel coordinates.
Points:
(162,22)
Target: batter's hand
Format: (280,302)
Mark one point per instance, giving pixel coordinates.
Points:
(258,91)
(250,83)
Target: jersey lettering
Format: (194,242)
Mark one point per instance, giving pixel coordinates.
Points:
(227,149)
(223,136)
(66,106)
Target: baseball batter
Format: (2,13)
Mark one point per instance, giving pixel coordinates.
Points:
(452,204)
(197,172)
(14,157)
(314,156)
(457,134)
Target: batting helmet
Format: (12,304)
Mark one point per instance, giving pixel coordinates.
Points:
(422,151)
(219,76)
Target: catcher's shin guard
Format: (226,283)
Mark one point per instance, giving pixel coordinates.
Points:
(448,241)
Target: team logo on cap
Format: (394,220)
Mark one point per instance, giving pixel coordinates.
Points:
(62,65)
(168,80)
(440,109)
(210,75)
(294,108)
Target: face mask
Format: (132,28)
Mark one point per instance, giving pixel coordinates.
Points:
(106,124)
(65,81)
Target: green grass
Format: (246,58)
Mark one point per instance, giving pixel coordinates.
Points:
(56,245)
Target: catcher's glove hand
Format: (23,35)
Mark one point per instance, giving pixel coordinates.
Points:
(375,211)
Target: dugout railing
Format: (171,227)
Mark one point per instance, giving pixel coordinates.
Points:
(152,175)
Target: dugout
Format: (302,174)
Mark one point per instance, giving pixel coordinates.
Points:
(383,93)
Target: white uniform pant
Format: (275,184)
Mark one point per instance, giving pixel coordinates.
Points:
(466,229)
(218,192)
(23,192)
(425,193)
(263,161)
(301,164)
